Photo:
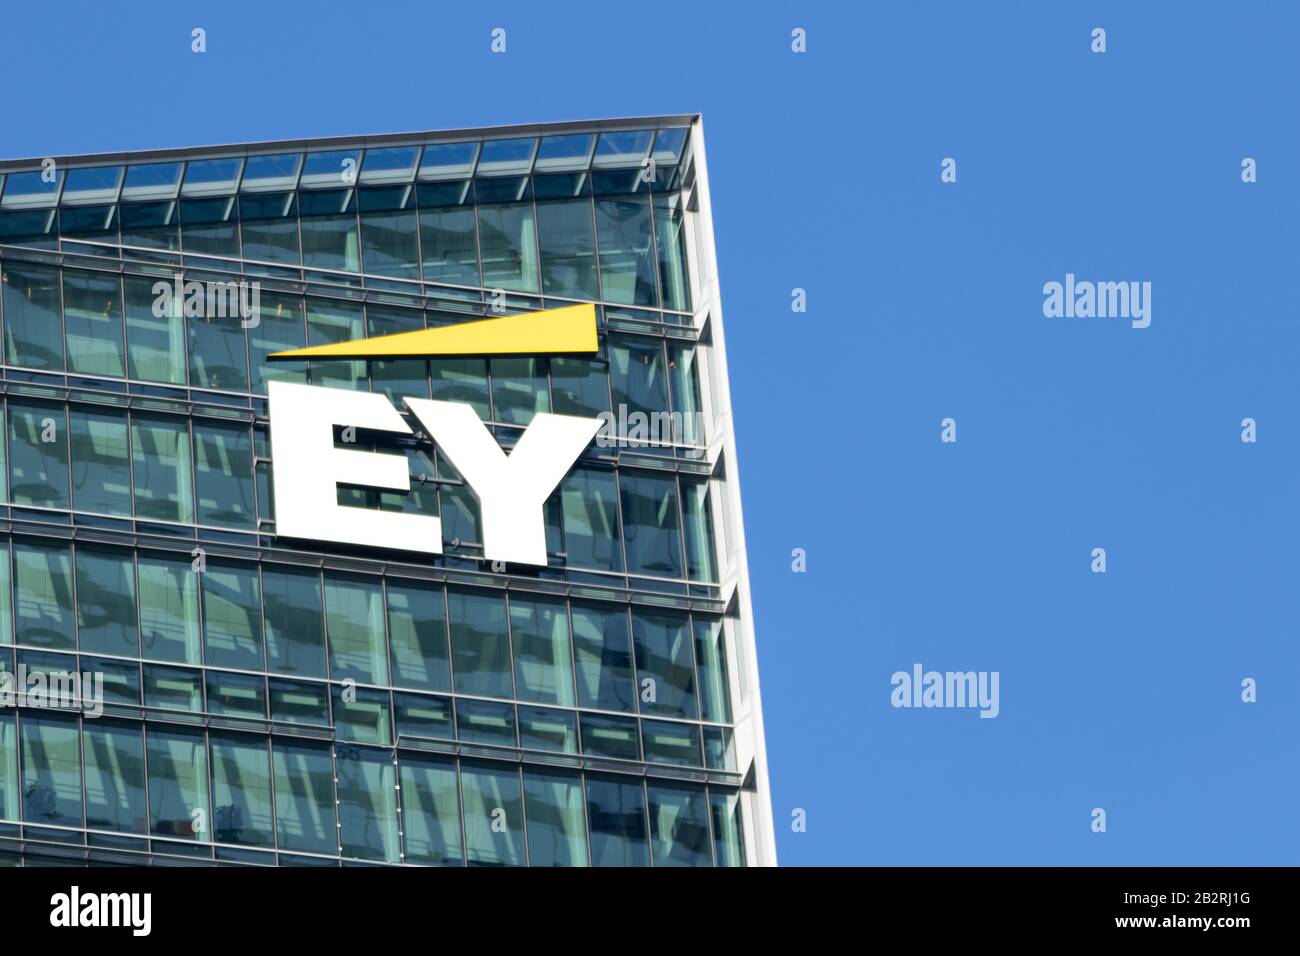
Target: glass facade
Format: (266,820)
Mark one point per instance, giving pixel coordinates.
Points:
(266,703)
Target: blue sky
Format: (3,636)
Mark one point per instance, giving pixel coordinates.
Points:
(1120,690)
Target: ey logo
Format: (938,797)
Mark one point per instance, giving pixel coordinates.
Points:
(511,489)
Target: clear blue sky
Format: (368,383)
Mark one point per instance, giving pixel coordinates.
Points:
(1120,690)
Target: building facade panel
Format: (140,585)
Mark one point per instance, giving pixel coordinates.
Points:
(272,700)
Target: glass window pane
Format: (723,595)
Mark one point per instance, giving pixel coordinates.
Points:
(232,616)
(43,596)
(636,376)
(151,180)
(272,172)
(592,537)
(651,529)
(391,164)
(670,243)
(539,633)
(615,737)
(38,455)
(115,794)
(329,230)
(269,225)
(299,702)
(160,451)
(697,520)
(417,630)
(295,629)
(430,812)
(680,827)
(485,722)
(579,386)
(34,228)
(367,804)
(106,611)
(241,791)
(209,228)
(218,354)
(448,160)
(494,816)
(449,246)
(362,715)
(397,378)
(461,380)
(460,517)
(92,317)
(627,261)
(281,327)
(388,233)
(684,380)
(508,246)
(506,156)
(10,785)
(602,650)
(728,833)
(155,332)
(304,798)
(173,688)
(664,657)
(329,322)
(480,644)
(548,729)
(623,147)
(51,761)
(212,176)
(178,784)
(92,184)
(671,742)
(151,225)
(121,679)
(223,475)
(718,751)
(354,622)
(90,224)
(33,323)
(519,390)
(169,610)
(6,599)
(557,825)
(420,715)
(711,659)
(236,695)
(101,462)
(564,152)
(568,248)
(329,168)
(616,815)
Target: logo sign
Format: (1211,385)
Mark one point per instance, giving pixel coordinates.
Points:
(511,488)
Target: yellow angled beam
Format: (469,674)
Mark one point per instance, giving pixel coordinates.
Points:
(571,329)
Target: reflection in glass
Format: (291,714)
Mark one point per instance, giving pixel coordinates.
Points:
(304,797)
(367,804)
(160,451)
(51,762)
(92,321)
(430,812)
(480,645)
(178,784)
(101,462)
(680,827)
(169,610)
(493,816)
(557,830)
(616,814)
